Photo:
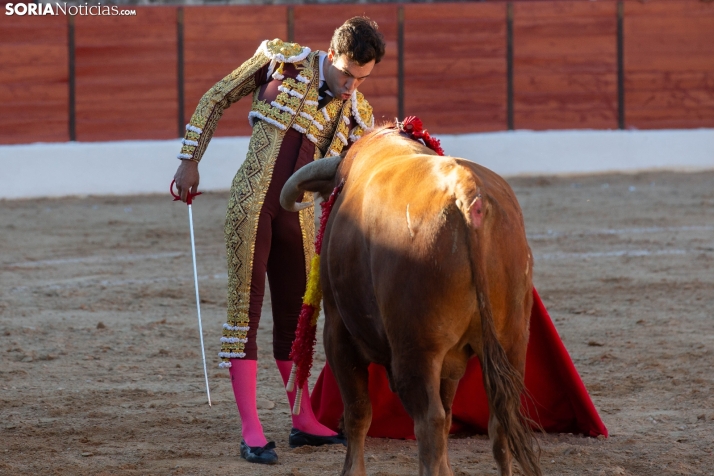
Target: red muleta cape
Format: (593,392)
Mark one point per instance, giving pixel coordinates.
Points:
(557,400)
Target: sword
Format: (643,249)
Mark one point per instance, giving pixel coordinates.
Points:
(189,200)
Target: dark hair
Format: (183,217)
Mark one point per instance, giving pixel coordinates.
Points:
(358,39)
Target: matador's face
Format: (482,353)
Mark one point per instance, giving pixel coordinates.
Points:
(343,76)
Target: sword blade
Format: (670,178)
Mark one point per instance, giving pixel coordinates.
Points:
(198,302)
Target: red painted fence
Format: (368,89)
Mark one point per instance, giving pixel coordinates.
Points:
(461,67)
(565,65)
(455,66)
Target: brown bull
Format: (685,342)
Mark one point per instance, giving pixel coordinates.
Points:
(424,265)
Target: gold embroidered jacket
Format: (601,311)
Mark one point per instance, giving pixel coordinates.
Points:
(284,80)
(295,106)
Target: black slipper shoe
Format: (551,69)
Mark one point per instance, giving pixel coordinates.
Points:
(259,454)
(300,438)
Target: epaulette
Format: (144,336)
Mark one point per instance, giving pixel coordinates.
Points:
(279,51)
(284,52)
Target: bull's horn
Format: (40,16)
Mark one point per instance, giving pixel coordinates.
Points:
(317,176)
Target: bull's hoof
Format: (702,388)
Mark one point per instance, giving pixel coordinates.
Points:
(259,454)
(300,438)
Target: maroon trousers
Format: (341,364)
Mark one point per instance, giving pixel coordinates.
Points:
(279,253)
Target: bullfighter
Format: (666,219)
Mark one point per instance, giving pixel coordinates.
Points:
(305,106)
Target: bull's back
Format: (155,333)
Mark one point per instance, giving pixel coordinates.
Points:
(380,250)
(399,253)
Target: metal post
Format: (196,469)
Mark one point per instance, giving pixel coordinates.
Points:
(291,24)
(509,67)
(72,112)
(620,65)
(400,62)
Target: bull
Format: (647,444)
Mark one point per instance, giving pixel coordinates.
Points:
(424,265)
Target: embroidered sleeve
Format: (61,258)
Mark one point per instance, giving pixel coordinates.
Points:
(239,83)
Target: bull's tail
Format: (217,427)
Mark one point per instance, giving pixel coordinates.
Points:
(503,383)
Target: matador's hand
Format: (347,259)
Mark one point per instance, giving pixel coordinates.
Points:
(187,178)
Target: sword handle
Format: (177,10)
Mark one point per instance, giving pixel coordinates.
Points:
(177,197)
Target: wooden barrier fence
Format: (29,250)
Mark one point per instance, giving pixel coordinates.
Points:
(461,67)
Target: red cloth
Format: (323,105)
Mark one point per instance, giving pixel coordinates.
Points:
(558,399)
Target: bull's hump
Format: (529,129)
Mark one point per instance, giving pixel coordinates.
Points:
(416,188)
(447,174)
(418,179)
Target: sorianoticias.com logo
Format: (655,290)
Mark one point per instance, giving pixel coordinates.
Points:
(58,8)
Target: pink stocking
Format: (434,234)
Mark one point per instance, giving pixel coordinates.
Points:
(244,378)
(306,420)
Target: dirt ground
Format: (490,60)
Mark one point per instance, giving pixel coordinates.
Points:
(100,368)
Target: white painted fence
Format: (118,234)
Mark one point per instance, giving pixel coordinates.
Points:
(140,167)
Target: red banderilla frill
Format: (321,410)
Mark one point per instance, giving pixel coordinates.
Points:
(413,126)
(306,333)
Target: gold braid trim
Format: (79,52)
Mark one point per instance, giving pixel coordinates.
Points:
(340,137)
(244,204)
(230,89)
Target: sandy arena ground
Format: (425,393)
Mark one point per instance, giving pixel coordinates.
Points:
(100,369)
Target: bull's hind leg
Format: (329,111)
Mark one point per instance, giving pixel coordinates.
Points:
(352,377)
(501,452)
(448,391)
(497,433)
(418,384)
